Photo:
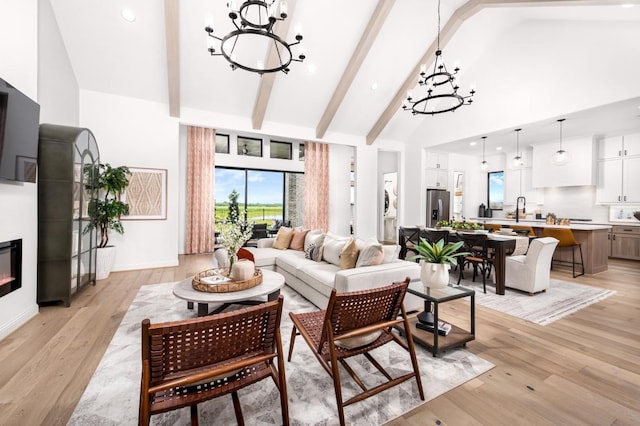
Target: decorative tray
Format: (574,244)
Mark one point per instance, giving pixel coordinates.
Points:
(216,281)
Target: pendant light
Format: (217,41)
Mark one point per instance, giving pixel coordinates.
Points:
(560,157)
(518,161)
(484,165)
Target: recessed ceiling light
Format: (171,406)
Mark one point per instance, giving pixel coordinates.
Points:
(374,86)
(627,5)
(128,15)
(473,143)
(312,68)
(498,148)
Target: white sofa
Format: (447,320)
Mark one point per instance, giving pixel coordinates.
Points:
(315,280)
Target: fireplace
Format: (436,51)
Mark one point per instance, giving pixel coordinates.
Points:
(10,266)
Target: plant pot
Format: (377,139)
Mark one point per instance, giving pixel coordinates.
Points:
(105,257)
(434,275)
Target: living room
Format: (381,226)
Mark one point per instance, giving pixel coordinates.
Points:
(133,129)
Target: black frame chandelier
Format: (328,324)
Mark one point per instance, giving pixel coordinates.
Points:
(255,18)
(441,88)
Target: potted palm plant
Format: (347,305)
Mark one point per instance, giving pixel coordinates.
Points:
(436,260)
(105,210)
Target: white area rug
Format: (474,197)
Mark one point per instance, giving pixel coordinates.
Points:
(111,398)
(561,299)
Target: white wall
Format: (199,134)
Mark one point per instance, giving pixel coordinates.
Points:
(340,189)
(387,163)
(18,215)
(137,133)
(58,93)
(367,192)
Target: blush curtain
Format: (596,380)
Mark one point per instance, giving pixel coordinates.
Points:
(316,183)
(201,148)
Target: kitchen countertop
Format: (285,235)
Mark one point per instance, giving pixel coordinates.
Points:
(540,223)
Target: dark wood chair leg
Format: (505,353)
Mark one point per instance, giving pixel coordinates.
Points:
(294,332)
(194,415)
(237,408)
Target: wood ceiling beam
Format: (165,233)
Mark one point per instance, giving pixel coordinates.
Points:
(369,35)
(456,20)
(172,39)
(267,80)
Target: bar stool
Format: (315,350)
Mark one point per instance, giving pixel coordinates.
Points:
(566,240)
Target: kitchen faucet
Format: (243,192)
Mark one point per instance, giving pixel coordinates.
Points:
(524,204)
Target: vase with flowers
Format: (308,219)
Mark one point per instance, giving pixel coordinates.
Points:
(233,236)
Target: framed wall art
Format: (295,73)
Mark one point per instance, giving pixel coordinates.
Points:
(146,194)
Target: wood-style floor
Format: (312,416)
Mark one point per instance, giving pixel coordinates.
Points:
(582,369)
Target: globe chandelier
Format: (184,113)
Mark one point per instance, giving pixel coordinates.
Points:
(518,161)
(441,88)
(560,157)
(254,21)
(484,165)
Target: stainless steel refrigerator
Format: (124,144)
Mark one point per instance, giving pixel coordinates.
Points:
(437,206)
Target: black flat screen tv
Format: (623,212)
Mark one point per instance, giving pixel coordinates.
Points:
(19,128)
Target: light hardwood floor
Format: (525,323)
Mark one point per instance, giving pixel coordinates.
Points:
(582,369)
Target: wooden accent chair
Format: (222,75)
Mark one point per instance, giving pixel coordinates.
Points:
(355,323)
(566,239)
(191,361)
(476,244)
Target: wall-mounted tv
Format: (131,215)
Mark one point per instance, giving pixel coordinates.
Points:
(19,128)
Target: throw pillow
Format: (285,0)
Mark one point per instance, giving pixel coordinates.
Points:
(390,253)
(371,253)
(349,255)
(316,236)
(297,240)
(331,249)
(313,252)
(283,238)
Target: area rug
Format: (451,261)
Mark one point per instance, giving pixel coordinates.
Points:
(111,398)
(562,298)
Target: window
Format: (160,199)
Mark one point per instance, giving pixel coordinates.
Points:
(301,152)
(249,146)
(281,150)
(263,195)
(222,144)
(495,190)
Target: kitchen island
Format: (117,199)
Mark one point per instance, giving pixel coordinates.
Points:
(594,239)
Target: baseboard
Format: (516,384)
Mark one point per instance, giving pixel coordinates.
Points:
(17,322)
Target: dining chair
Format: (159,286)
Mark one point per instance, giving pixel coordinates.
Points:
(523,230)
(432,236)
(476,245)
(408,237)
(530,272)
(492,227)
(566,240)
(355,323)
(191,361)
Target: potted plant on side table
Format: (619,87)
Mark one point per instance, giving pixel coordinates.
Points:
(435,261)
(106,210)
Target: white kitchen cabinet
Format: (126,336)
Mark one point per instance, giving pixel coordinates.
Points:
(436,178)
(619,175)
(436,160)
(579,171)
(436,173)
(619,146)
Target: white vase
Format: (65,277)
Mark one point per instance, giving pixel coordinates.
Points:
(105,257)
(434,275)
(242,270)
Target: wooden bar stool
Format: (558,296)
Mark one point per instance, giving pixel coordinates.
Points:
(566,239)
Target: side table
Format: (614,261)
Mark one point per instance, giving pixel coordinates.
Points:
(457,336)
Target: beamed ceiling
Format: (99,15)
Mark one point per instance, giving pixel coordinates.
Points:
(531,62)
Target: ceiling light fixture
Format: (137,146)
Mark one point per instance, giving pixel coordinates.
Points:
(560,157)
(441,88)
(256,21)
(518,161)
(484,165)
(128,15)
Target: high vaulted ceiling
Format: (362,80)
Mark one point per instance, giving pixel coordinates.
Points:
(531,62)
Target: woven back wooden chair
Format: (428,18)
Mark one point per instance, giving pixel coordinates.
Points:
(353,324)
(195,360)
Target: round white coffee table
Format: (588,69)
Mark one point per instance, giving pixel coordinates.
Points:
(270,286)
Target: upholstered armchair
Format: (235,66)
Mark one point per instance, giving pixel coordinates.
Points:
(531,272)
